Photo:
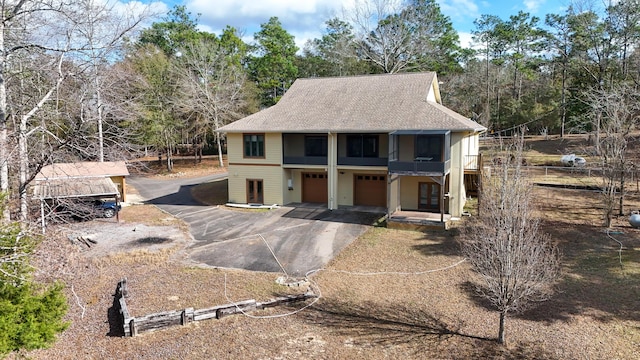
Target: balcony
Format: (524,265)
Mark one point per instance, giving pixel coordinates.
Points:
(304,160)
(420,166)
(472,162)
(362,161)
(304,149)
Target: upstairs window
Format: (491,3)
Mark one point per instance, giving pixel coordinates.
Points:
(362,146)
(429,147)
(315,146)
(254,145)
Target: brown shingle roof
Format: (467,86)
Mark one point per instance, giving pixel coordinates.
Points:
(356,104)
(83,169)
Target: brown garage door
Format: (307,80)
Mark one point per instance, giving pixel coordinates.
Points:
(370,190)
(314,188)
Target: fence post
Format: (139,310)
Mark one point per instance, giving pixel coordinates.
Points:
(132,327)
(186,316)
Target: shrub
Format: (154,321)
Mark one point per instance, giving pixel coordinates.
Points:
(30,317)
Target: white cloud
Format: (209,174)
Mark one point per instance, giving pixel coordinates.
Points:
(460,9)
(466,40)
(304,19)
(533,5)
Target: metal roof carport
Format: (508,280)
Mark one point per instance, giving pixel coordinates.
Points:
(72,187)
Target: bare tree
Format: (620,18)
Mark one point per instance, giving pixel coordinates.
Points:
(86,36)
(100,27)
(619,109)
(212,86)
(517,263)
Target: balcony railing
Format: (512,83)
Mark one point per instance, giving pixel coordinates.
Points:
(472,162)
(420,166)
(363,161)
(304,160)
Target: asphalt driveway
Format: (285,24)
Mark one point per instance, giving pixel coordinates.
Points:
(298,239)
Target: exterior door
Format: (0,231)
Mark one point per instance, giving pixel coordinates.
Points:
(370,190)
(255,191)
(429,196)
(315,188)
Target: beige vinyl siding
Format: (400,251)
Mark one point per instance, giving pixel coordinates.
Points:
(272,180)
(294,195)
(345,188)
(431,96)
(393,195)
(409,192)
(406,144)
(456,189)
(272,149)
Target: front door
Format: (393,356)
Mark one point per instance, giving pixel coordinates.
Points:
(429,196)
(254,191)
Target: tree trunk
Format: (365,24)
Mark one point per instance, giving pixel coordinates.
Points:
(219,143)
(501,339)
(100,116)
(24,168)
(621,210)
(4,136)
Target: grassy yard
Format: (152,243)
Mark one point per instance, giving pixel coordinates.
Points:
(391,294)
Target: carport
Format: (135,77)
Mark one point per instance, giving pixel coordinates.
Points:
(76,187)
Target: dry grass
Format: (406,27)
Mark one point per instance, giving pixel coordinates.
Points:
(182,167)
(418,309)
(212,193)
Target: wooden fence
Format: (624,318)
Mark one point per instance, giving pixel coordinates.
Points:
(133,326)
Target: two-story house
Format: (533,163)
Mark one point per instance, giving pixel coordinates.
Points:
(377,140)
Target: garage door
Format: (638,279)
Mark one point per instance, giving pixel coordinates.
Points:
(314,188)
(370,190)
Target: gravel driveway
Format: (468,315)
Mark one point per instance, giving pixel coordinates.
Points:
(297,239)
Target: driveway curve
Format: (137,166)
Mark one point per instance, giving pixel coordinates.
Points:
(294,239)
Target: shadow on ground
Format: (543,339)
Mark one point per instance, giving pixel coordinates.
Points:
(428,335)
(339,215)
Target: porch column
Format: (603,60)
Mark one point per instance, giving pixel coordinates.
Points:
(332,171)
(442,182)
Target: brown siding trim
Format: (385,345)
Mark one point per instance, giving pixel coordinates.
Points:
(245,164)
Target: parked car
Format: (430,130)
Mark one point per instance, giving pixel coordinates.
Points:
(573,160)
(83,209)
(106,208)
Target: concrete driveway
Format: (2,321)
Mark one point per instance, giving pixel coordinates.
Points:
(300,238)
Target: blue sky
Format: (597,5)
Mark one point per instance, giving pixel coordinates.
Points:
(305,18)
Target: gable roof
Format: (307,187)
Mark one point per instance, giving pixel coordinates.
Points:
(83,169)
(372,103)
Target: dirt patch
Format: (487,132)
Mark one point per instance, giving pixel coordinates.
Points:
(100,239)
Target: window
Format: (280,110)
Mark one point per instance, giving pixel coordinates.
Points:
(362,146)
(254,145)
(315,146)
(429,147)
